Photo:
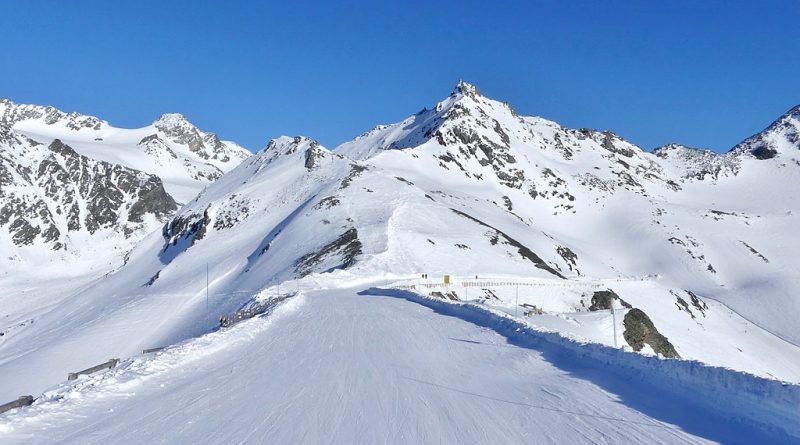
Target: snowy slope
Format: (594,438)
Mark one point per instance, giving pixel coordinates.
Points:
(700,264)
(76,194)
(330,366)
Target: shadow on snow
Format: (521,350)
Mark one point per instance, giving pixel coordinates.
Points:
(658,388)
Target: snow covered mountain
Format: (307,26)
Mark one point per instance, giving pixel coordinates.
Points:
(184,157)
(680,252)
(76,194)
(51,194)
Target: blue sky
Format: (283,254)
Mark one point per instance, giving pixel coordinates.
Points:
(705,74)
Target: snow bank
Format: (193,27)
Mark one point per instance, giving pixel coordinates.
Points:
(745,397)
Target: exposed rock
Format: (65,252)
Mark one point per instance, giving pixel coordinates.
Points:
(44,204)
(327,203)
(569,257)
(698,303)
(522,250)
(603,300)
(347,247)
(191,227)
(639,331)
(355,171)
(312,157)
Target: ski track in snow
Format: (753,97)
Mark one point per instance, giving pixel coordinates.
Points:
(331,366)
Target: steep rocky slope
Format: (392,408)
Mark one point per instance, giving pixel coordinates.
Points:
(76,194)
(172,148)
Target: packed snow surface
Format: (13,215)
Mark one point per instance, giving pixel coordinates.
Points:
(333,366)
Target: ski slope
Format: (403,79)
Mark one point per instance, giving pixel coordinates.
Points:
(334,366)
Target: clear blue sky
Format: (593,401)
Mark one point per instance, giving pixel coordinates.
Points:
(703,73)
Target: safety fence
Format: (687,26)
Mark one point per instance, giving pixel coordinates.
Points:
(252,309)
(105,365)
(19,403)
(493,283)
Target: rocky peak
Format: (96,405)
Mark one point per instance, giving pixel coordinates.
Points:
(289,144)
(466,89)
(782,136)
(169,121)
(675,149)
(176,126)
(312,151)
(58,191)
(698,163)
(12,113)
(179,130)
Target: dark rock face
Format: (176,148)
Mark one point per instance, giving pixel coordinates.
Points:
(312,158)
(521,249)
(466,142)
(604,299)
(698,304)
(569,257)
(186,227)
(639,331)
(347,247)
(764,152)
(153,199)
(611,142)
(355,171)
(63,192)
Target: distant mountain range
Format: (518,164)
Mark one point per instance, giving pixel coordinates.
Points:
(702,244)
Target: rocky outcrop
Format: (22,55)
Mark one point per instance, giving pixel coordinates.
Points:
(344,251)
(208,146)
(640,331)
(11,113)
(604,300)
(50,191)
(782,134)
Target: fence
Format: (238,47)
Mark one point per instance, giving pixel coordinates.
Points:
(251,311)
(19,403)
(493,283)
(106,365)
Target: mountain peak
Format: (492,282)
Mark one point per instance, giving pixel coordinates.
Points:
(782,136)
(466,89)
(171,120)
(793,113)
(290,144)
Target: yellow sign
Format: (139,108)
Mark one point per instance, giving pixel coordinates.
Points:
(447,279)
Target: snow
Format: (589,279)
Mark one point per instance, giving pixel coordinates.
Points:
(183,175)
(466,188)
(36,278)
(334,366)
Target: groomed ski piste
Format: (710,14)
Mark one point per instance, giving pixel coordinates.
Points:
(367,361)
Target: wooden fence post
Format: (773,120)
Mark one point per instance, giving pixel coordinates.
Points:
(19,403)
(107,365)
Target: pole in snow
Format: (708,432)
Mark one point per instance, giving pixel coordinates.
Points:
(516,301)
(206,292)
(614,323)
